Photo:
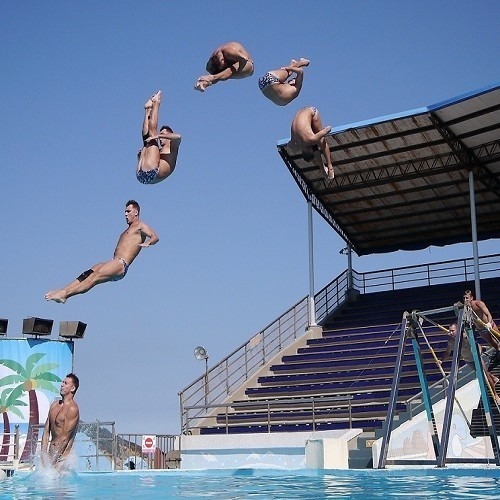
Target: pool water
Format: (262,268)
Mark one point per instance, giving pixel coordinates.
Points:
(258,484)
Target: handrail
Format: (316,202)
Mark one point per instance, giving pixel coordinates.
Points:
(463,372)
(106,446)
(276,402)
(337,402)
(129,448)
(229,374)
(11,460)
(426,274)
(234,370)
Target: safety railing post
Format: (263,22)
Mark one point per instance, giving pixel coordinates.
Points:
(313,416)
(16,443)
(268,417)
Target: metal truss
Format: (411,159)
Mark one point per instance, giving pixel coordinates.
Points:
(310,196)
(411,328)
(411,169)
(469,159)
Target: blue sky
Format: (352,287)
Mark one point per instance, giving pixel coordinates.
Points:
(232,223)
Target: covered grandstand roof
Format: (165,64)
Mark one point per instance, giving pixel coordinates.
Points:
(402,181)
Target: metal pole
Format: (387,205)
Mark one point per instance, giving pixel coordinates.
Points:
(483,387)
(312,306)
(16,442)
(349,268)
(391,410)
(473,222)
(426,396)
(450,396)
(206,380)
(97,445)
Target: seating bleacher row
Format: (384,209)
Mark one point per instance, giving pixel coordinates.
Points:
(355,357)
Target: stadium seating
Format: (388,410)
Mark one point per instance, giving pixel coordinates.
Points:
(343,379)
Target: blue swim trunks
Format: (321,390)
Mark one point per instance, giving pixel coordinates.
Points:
(125,269)
(266,80)
(147,177)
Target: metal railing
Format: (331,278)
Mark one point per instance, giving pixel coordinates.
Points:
(220,381)
(98,447)
(9,450)
(166,454)
(98,438)
(312,404)
(223,379)
(100,443)
(450,271)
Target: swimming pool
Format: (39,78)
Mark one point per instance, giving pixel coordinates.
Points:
(259,484)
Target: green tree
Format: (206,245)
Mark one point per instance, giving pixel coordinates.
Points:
(29,378)
(9,402)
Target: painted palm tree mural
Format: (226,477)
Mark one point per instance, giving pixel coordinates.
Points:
(29,378)
(9,401)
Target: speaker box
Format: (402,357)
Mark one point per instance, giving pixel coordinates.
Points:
(3,326)
(37,326)
(72,329)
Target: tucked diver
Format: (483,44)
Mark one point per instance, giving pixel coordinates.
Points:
(158,156)
(229,61)
(137,236)
(278,86)
(308,134)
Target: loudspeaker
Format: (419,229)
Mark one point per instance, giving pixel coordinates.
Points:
(3,326)
(37,326)
(72,329)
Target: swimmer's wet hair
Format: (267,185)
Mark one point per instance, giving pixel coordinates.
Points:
(167,128)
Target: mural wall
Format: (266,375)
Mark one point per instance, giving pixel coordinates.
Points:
(31,371)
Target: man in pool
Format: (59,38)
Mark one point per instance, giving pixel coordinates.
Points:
(309,134)
(158,156)
(61,424)
(278,86)
(137,236)
(229,61)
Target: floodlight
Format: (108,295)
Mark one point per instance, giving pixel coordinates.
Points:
(72,329)
(37,326)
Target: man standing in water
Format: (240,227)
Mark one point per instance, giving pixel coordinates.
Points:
(62,423)
(137,236)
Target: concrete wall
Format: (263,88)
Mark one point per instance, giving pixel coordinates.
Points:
(276,450)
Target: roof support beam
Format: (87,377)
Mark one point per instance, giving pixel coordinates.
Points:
(465,156)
